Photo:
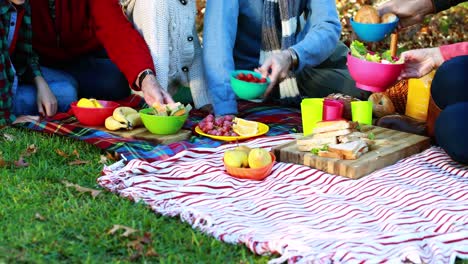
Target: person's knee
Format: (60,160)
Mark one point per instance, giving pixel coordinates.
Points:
(449,83)
(450,131)
(66,94)
(24,102)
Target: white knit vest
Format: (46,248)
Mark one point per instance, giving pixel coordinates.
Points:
(168,28)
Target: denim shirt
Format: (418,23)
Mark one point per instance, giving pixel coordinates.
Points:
(232,40)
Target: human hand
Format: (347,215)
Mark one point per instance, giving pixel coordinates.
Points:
(275,67)
(420,62)
(153,92)
(46,100)
(26,118)
(409,12)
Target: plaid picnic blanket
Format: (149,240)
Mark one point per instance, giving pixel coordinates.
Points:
(415,211)
(281,120)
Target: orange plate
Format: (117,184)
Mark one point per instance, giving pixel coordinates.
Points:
(251,174)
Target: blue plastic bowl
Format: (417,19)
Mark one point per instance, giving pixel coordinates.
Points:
(373,32)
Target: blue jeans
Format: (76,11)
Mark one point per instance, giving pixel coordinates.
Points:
(449,93)
(62,85)
(97,77)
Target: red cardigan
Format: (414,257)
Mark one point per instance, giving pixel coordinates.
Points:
(84,26)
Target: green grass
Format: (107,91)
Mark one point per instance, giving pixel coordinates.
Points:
(43,221)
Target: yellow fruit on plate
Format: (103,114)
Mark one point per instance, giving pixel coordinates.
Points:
(244,127)
(243,148)
(245,131)
(85,102)
(96,103)
(243,122)
(236,158)
(89,103)
(259,158)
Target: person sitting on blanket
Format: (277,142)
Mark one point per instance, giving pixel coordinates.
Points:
(23,89)
(449,97)
(295,41)
(79,36)
(168,28)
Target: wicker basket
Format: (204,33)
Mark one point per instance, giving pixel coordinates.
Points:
(398,93)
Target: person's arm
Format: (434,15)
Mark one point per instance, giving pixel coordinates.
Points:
(220,29)
(123,44)
(420,62)
(454,50)
(322,32)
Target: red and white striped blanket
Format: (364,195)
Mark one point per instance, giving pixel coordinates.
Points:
(415,210)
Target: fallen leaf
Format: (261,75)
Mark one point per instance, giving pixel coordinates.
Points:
(76,154)
(78,162)
(135,245)
(61,153)
(82,189)
(142,246)
(3,163)
(8,137)
(20,163)
(128,230)
(31,149)
(103,159)
(39,217)
(113,156)
(151,253)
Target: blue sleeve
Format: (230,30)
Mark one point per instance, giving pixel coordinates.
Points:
(320,34)
(219,36)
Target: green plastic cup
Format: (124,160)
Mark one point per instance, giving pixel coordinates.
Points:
(311,112)
(162,125)
(362,112)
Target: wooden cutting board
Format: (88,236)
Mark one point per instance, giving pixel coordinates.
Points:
(391,146)
(142,133)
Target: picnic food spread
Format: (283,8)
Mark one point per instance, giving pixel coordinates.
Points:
(249,77)
(248,163)
(359,50)
(89,103)
(245,157)
(381,104)
(172,109)
(123,117)
(336,139)
(367,14)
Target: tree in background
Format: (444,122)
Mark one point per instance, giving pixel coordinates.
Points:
(446,27)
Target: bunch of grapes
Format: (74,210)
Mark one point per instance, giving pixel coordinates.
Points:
(219,126)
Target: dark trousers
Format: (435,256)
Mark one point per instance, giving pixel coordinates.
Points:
(97,77)
(449,90)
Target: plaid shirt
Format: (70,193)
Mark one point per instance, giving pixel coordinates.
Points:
(25,61)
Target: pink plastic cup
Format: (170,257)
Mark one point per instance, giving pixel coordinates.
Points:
(332,110)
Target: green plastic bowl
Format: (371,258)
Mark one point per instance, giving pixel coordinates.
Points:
(162,125)
(248,90)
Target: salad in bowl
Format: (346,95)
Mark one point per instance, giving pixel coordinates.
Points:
(359,50)
(373,71)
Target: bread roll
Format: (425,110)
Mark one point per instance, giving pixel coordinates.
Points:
(388,18)
(381,104)
(403,123)
(367,14)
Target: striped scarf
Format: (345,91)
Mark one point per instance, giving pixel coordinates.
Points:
(279,27)
(127,7)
